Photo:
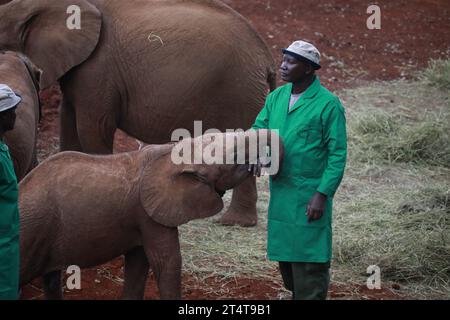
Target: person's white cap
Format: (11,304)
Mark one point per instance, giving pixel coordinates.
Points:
(303,50)
(8,99)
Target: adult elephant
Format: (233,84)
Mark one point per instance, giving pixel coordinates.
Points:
(147,67)
(22,76)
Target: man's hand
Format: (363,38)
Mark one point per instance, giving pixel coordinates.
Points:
(255,169)
(316,206)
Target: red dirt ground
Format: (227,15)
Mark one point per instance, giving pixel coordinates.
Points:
(105,282)
(412,32)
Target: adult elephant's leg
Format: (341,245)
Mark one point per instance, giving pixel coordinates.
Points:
(242,210)
(52,285)
(96,134)
(68,128)
(92,106)
(136,273)
(96,123)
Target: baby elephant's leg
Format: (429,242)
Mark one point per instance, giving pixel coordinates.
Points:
(52,285)
(162,248)
(136,273)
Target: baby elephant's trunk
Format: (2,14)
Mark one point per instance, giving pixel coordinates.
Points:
(263,146)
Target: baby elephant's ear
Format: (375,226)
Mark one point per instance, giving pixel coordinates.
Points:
(175,194)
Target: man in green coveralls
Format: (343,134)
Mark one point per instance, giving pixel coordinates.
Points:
(9,209)
(311,121)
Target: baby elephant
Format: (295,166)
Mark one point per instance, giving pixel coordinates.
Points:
(85,210)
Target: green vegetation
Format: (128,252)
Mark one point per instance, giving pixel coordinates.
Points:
(437,74)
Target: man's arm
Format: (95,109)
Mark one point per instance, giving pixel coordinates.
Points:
(335,136)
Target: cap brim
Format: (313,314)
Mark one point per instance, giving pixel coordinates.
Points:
(302,58)
(15,102)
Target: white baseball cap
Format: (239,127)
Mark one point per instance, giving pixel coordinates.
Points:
(8,99)
(303,50)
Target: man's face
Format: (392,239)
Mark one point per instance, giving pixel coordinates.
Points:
(8,119)
(294,70)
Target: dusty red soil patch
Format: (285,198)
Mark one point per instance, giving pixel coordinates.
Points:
(412,32)
(105,283)
(361,292)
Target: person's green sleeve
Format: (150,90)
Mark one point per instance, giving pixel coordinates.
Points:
(335,136)
(262,120)
(2,173)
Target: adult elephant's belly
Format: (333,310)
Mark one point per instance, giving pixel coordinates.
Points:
(214,100)
(158,126)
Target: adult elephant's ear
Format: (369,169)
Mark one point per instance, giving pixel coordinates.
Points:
(56,34)
(174,194)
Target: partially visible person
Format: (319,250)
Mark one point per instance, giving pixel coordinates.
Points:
(9,194)
(311,122)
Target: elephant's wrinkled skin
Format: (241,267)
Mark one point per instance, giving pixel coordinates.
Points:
(147,67)
(22,77)
(78,209)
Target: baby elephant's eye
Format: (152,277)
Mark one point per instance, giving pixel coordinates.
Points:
(195,175)
(200,177)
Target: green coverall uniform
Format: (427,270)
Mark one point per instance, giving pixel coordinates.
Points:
(9,228)
(315,140)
